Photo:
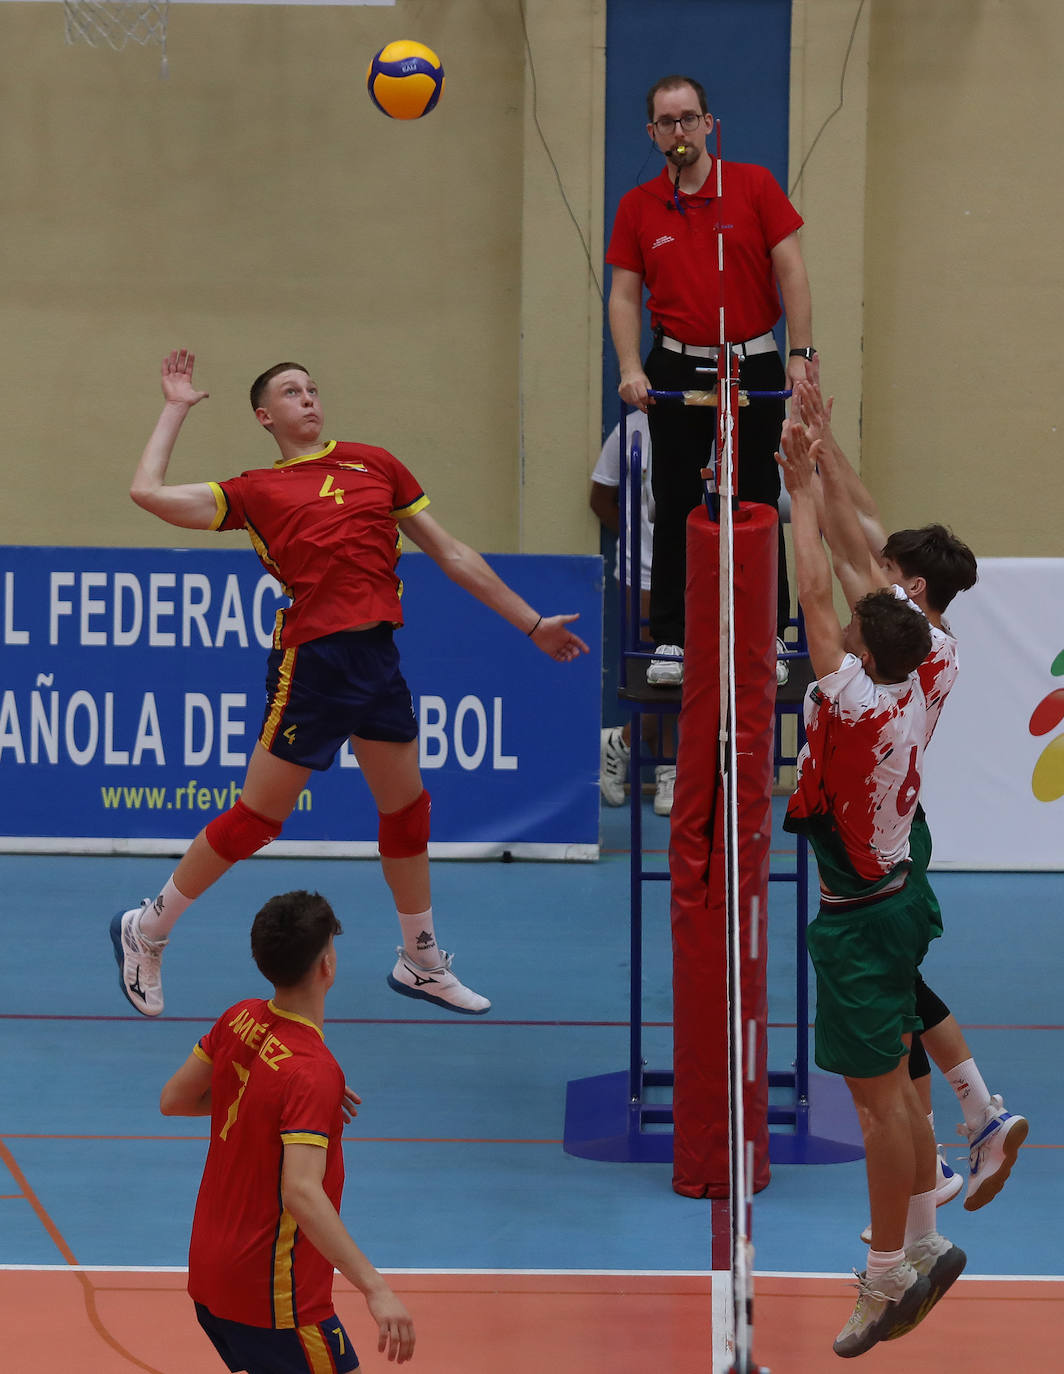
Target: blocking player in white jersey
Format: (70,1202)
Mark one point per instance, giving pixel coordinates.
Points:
(858,784)
(929,566)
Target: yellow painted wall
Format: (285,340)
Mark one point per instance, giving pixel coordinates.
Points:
(255,206)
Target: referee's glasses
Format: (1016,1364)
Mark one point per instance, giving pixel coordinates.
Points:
(687,123)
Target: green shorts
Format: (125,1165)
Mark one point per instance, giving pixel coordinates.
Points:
(866,960)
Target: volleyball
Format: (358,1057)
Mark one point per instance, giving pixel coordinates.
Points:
(405,80)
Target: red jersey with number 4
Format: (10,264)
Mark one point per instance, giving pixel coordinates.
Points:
(325,526)
(861,763)
(273,1083)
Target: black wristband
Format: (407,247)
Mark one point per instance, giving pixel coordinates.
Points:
(535,627)
(807,353)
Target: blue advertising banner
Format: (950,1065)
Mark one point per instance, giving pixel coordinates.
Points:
(132,686)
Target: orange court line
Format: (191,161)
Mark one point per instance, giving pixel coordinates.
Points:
(583,1323)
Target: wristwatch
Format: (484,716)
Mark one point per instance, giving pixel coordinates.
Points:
(807,353)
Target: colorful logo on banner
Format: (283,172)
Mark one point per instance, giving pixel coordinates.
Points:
(1047,780)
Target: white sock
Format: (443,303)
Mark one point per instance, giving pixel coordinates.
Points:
(972,1093)
(879,1261)
(158,918)
(419,938)
(921,1216)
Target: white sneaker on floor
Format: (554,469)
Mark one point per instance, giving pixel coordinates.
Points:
(888,1306)
(992,1150)
(614,755)
(664,783)
(437,985)
(783,668)
(139,962)
(948,1184)
(666,667)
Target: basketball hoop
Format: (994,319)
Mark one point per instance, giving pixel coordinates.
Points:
(114,23)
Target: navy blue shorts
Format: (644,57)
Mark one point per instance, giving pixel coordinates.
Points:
(343,684)
(318,1349)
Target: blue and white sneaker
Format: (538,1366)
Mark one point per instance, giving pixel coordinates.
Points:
(992,1150)
(437,985)
(139,962)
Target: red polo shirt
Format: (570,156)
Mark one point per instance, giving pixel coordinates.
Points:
(676,254)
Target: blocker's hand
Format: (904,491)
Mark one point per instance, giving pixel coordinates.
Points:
(555,640)
(350,1104)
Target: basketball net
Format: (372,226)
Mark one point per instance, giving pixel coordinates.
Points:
(114,23)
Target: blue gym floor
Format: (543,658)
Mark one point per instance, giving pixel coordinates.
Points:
(455,1160)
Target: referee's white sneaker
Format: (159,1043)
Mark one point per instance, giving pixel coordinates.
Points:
(948,1184)
(666,667)
(437,985)
(614,757)
(139,962)
(664,787)
(992,1150)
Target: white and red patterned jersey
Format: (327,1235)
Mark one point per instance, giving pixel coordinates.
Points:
(861,763)
(938,672)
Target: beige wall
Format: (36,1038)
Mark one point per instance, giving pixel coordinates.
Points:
(255,206)
(934,204)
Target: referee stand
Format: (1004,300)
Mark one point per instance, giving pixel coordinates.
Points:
(626,1116)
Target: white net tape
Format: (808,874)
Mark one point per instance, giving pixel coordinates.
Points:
(114,23)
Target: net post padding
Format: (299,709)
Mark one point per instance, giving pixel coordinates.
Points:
(697,853)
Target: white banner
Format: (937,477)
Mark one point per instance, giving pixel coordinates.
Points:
(994,774)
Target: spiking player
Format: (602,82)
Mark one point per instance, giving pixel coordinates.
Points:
(858,785)
(325,521)
(267,1232)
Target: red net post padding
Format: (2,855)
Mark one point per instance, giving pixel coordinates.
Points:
(697,853)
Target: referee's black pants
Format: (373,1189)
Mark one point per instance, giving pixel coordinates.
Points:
(682,440)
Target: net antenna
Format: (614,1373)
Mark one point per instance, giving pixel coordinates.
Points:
(114,23)
(740,1034)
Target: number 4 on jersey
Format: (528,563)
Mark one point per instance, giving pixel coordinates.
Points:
(327,490)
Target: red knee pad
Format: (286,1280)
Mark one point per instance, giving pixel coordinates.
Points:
(402,834)
(240,832)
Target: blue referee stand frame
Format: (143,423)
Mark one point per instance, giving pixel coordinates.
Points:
(627,1116)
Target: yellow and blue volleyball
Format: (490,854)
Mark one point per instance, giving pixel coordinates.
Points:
(405,80)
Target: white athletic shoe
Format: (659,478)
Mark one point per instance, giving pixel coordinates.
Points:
(783,668)
(437,985)
(940,1262)
(666,667)
(139,962)
(613,765)
(992,1150)
(948,1184)
(887,1306)
(664,783)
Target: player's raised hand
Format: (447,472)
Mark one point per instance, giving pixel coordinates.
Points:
(795,456)
(177,379)
(350,1104)
(555,640)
